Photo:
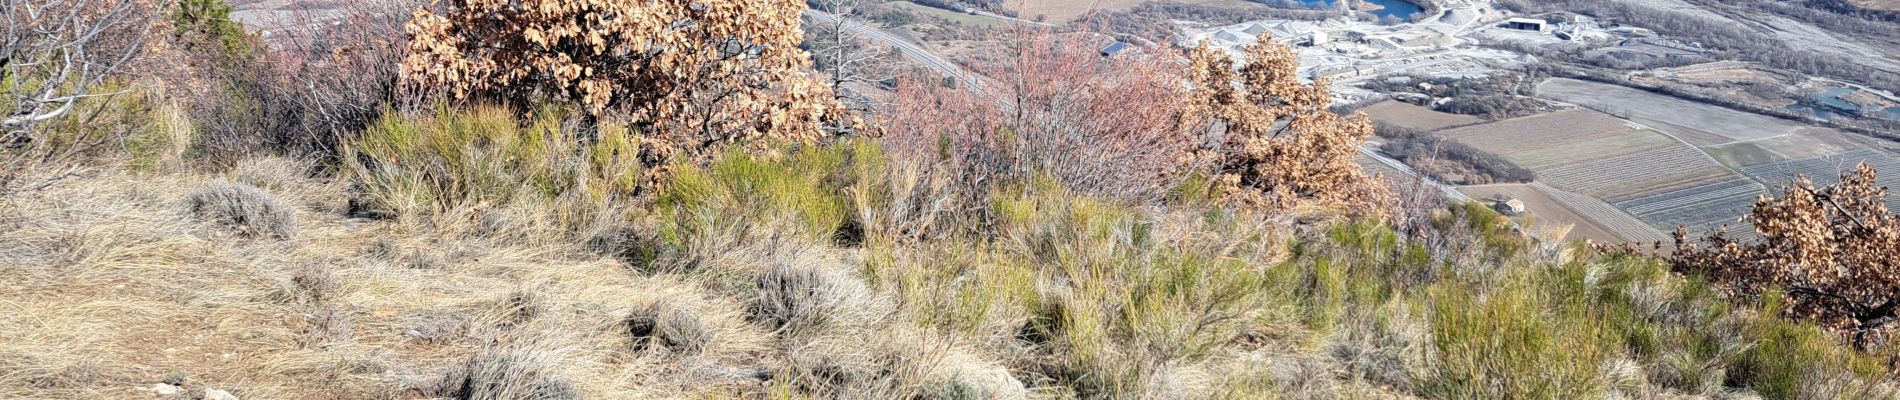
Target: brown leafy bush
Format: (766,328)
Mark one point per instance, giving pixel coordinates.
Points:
(1834,252)
(696,75)
(1279,145)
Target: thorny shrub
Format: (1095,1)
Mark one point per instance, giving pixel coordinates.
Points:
(1099,126)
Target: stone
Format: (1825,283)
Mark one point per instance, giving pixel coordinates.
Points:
(215,394)
(162,389)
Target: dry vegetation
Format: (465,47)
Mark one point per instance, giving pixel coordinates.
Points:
(468,251)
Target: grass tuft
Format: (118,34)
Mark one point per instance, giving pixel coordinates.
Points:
(244,209)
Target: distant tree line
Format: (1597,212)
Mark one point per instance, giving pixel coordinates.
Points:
(1495,97)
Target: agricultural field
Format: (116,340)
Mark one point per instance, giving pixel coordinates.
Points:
(1633,173)
(1701,207)
(1539,131)
(1644,172)
(1885,5)
(1592,153)
(1827,170)
(1588,218)
(1742,155)
(953,16)
(1697,123)
(1402,114)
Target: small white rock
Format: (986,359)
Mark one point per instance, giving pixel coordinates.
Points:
(163,389)
(215,394)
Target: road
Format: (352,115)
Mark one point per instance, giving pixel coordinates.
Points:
(1450,192)
(918,54)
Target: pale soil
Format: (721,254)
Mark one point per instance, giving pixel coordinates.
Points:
(108,287)
(1415,117)
(1551,211)
(1699,124)
(1890,5)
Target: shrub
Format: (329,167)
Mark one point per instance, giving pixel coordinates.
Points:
(741,190)
(1101,127)
(58,53)
(801,296)
(905,200)
(127,124)
(317,83)
(482,159)
(1504,346)
(507,374)
(697,76)
(207,24)
(245,208)
(674,324)
(1833,253)
(1279,144)
(1114,298)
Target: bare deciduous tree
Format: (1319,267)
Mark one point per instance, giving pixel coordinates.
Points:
(1100,126)
(56,57)
(53,53)
(842,53)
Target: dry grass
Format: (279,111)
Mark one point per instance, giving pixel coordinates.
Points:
(243,209)
(830,273)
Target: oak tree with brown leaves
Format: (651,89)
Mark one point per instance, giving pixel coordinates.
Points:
(695,75)
(1834,252)
(1279,145)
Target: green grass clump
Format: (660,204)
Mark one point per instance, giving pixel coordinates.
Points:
(483,158)
(803,187)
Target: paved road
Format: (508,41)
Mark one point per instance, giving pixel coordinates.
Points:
(1450,192)
(924,57)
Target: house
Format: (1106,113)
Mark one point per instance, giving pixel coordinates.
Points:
(1315,39)
(1508,206)
(1526,24)
(1117,48)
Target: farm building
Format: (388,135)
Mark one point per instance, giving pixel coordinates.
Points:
(1315,39)
(1508,206)
(1525,24)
